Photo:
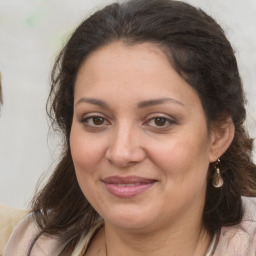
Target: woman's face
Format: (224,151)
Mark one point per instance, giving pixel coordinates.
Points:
(139,139)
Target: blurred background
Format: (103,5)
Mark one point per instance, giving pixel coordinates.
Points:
(31,34)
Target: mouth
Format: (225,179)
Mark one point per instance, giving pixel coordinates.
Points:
(126,187)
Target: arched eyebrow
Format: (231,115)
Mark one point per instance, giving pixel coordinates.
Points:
(93,101)
(153,102)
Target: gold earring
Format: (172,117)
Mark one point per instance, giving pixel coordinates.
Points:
(217,180)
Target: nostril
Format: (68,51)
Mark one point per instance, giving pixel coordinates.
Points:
(124,158)
(118,158)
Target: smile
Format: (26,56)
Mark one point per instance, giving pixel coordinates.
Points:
(126,187)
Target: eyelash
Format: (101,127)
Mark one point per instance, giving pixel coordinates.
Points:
(86,121)
(167,122)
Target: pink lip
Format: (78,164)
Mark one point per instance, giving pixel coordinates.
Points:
(126,187)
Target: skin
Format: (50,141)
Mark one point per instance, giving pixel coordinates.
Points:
(149,123)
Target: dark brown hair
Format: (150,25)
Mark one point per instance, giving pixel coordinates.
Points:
(202,55)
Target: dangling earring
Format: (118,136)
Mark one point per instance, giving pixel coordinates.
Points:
(217,180)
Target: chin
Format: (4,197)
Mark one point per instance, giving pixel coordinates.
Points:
(129,219)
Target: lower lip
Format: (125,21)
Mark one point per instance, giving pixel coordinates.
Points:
(127,191)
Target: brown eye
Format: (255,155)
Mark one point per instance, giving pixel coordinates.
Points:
(97,120)
(160,121)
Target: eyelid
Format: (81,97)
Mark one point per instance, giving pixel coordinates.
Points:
(93,114)
(86,117)
(169,119)
(161,115)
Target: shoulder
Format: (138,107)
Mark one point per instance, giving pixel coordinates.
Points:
(23,236)
(9,217)
(240,239)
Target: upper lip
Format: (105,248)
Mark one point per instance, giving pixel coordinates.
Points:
(127,180)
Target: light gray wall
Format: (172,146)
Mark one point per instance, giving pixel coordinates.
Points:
(31,33)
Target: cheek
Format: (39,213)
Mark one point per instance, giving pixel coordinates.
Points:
(86,153)
(87,157)
(179,157)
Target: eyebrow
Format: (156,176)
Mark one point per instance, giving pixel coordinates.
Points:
(94,102)
(142,104)
(153,102)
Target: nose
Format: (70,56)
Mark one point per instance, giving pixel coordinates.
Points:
(125,147)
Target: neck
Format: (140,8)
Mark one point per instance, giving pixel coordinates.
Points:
(183,241)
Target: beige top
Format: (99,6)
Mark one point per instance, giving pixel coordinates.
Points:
(9,217)
(25,232)
(238,240)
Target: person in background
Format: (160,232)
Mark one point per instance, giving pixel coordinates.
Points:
(9,216)
(156,160)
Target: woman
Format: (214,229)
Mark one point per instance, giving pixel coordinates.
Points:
(155,159)
(9,216)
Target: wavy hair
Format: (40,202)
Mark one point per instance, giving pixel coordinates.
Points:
(200,52)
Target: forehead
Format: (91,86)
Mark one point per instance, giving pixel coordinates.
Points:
(135,56)
(137,71)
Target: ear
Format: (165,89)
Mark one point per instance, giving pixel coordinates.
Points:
(222,134)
